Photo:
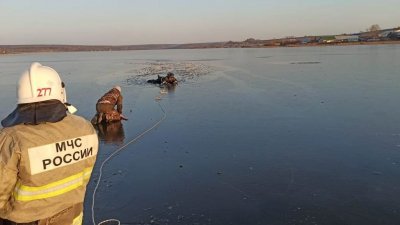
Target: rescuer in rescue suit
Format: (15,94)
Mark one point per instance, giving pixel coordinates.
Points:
(46,154)
(105,107)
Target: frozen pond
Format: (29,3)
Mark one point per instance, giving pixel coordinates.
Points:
(251,136)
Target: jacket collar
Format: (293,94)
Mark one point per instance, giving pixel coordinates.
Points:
(35,113)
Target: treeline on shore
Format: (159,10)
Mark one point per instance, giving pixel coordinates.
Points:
(14,49)
(373,35)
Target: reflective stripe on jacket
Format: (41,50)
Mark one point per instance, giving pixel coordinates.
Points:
(78,220)
(27,193)
(45,168)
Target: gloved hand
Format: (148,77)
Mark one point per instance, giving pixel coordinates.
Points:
(123,117)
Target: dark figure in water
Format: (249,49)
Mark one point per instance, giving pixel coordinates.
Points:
(169,79)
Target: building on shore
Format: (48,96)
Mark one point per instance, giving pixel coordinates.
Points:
(395,35)
(347,38)
(327,39)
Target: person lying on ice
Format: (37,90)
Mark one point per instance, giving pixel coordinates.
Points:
(169,80)
(105,107)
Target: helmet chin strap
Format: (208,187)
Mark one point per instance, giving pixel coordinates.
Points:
(71,108)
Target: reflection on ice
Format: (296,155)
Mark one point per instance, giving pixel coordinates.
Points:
(111,133)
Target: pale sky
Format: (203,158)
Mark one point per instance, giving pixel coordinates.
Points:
(130,22)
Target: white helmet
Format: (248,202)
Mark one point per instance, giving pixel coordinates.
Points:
(40,83)
(118,88)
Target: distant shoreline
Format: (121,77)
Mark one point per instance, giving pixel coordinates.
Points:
(20,49)
(351,43)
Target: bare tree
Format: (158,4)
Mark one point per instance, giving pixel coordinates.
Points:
(374,28)
(372,32)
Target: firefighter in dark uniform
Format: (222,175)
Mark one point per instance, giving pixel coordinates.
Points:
(167,80)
